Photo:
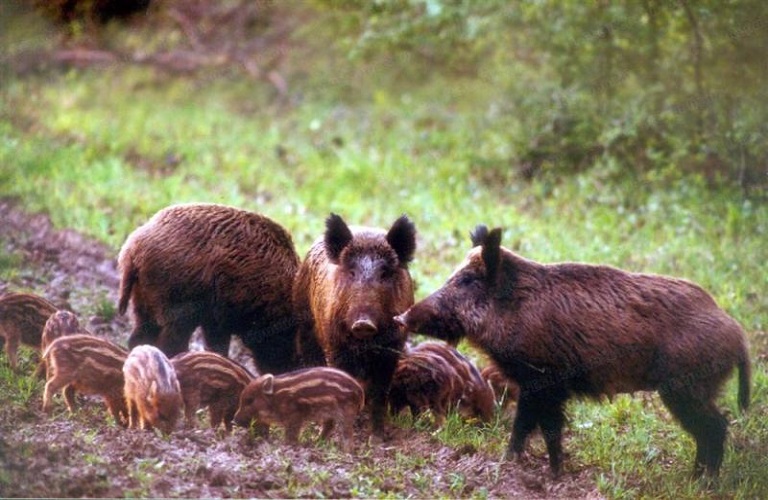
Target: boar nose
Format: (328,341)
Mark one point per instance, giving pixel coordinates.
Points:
(363,328)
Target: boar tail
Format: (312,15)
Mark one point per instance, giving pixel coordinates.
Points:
(744,381)
(127,280)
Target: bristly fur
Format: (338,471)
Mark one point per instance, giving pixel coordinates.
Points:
(559,330)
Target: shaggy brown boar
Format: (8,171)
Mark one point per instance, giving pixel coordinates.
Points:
(504,390)
(476,397)
(22,318)
(317,394)
(226,270)
(575,329)
(152,391)
(209,380)
(352,283)
(60,323)
(89,365)
(424,381)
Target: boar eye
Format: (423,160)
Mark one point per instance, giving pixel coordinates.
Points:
(465,280)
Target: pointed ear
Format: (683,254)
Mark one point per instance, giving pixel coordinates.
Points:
(337,236)
(478,235)
(491,254)
(268,384)
(402,238)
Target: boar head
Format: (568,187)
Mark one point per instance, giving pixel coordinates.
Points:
(163,408)
(371,275)
(460,307)
(256,401)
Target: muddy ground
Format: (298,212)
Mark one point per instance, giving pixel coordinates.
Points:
(85,455)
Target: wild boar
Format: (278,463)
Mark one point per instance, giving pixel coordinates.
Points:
(424,381)
(505,391)
(575,329)
(476,397)
(60,323)
(89,365)
(319,394)
(209,380)
(22,318)
(226,270)
(152,391)
(350,286)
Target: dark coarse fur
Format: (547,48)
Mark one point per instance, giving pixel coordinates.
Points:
(22,318)
(574,329)
(476,397)
(227,270)
(424,381)
(351,284)
(209,380)
(325,395)
(152,391)
(89,365)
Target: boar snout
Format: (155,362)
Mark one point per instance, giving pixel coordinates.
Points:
(364,328)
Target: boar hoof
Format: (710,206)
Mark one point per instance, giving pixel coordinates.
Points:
(364,328)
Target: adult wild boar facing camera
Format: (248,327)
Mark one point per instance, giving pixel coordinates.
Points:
(350,286)
(574,329)
(226,270)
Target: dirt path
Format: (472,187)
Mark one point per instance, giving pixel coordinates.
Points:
(85,455)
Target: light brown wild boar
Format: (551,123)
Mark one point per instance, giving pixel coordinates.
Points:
(227,270)
(504,390)
(476,397)
(325,395)
(424,381)
(89,365)
(574,329)
(351,284)
(22,318)
(60,323)
(209,380)
(152,391)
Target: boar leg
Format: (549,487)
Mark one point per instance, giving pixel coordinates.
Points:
(146,330)
(551,421)
(54,385)
(69,397)
(328,425)
(526,419)
(292,430)
(707,425)
(133,413)
(11,349)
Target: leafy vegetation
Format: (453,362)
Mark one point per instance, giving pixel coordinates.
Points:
(617,134)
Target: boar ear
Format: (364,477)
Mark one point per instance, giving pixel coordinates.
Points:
(491,253)
(337,236)
(478,235)
(402,238)
(268,384)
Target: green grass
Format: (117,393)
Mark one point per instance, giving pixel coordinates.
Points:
(101,151)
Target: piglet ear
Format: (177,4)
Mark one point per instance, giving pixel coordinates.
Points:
(268,384)
(491,254)
(337,237)
(478,235)
(402,238)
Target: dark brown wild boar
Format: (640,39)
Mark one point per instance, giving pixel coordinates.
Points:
(22,318)
(209,380)
(574,329)
(352,283)
(505,391)
(226,270)
(476,397)
(89,365)
(317,394)
(424,381)
(60,323)
(152,391)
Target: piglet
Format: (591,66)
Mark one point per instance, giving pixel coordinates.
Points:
(152,391)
